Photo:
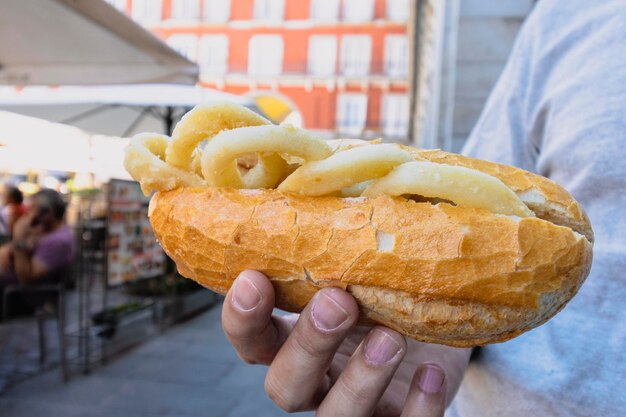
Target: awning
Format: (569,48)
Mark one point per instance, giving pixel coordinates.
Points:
(118,110)
(80,42)
(128,95)
(28,144)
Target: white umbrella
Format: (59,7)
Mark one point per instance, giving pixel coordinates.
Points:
(57,42)
(107,154)
(37,144)
(118,110)
(129,95)
(29,144)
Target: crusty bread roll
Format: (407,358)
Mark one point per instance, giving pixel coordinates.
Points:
(442,248)
(437,273)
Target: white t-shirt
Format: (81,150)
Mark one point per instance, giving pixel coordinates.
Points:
(559,109)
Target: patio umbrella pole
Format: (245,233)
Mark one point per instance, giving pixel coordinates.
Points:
(168,119)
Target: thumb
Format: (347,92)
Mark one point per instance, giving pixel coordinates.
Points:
(427,394)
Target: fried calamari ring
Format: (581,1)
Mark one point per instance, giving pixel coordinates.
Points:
(344,169)
(144,161)
(219,159)
(463,186)
(244,151)
(204,122)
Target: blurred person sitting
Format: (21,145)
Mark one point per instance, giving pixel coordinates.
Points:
(42,246)
(13,208)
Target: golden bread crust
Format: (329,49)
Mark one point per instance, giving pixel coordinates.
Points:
(430,266)
(546,198)
(437,273)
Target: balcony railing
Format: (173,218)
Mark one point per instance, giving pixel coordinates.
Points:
(152,22)
(385,69)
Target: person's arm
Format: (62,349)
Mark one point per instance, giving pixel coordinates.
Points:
(27,267)
(12,218)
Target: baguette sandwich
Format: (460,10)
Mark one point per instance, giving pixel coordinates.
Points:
(440,247)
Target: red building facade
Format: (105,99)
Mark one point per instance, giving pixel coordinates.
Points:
(342,64)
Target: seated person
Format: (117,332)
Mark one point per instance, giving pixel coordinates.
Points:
(13,209)
(41,246)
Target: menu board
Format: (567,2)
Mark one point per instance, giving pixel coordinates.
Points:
(133,252)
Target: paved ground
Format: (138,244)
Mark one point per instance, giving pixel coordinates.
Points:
(190,370)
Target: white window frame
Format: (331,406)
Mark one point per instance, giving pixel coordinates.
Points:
(398,10)
(356,55)
(269,10)
(213,54)
(358,10)
(216,11)
(395,115)
(351,113)
(322,55)
(147,11)
(261,62)
(324,10)
(397,56)
(184,44)
(185,10)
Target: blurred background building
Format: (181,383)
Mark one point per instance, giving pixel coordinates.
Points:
(317,63)
(338,67)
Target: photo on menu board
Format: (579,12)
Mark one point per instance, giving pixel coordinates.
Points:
(133,252)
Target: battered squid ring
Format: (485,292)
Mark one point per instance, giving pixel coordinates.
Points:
(463,186)
(341,168)
(344,169)
(144,161)
(219,159)
(204,122)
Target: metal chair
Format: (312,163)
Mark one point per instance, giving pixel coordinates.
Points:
(51,295)
(4,239)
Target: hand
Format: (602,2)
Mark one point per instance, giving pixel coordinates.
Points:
(23,229)
(320,360)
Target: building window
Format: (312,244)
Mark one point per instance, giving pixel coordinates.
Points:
(358,10)
(398,10)
(216,11)
(396,56)
(269,9)
(325,10)
(356,51)
(351,113)
(395,120)
(322,55)
(187,10)
(118,4)
(147,11)
(213,58)
(265,55)
(186,45)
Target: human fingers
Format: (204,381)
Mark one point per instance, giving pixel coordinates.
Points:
(367,375)
(247,319)
(297,379)
(427,394)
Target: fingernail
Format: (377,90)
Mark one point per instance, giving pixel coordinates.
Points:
(431,378)
(246,296)
(380,348)
(326,312)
